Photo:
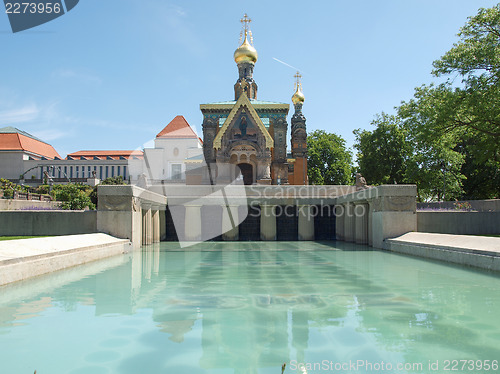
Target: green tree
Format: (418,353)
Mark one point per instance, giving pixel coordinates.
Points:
(435,163)
(446,139)
(476,57)
(328,159)
(473,111)
(383,153)
(482,177)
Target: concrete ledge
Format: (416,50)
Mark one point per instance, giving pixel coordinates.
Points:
(132,191)
(492,205)
(26,258)
(11,204)
(384,190)
(255,194)
(475,251)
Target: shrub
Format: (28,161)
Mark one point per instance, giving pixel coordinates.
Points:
(73,196)
(462,205)
(113,180)
(9,187)
(43,189)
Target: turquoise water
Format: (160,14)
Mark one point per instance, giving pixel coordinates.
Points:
(214,309)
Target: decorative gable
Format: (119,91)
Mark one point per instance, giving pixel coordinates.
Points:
(243,105)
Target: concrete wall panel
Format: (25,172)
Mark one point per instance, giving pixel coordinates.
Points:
(31,223)
(461,223)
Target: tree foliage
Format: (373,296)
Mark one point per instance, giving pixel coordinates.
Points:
(475,108)
(476,57)
(435,164)
(451,129)
(383,153)
(328,159)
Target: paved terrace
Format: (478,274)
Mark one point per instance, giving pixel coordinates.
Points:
(26,258)
(476,251)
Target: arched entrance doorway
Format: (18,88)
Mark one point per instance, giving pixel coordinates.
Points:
(247,172)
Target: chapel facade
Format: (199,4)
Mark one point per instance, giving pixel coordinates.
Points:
(249,136)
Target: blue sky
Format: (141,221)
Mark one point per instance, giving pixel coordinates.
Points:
(111,74)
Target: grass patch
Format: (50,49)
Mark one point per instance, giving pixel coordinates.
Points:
(20,237)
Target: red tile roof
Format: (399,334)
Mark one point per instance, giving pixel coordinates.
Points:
(15,141)
(102,155)
(178,128)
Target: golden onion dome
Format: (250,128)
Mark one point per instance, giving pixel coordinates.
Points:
(245,53)
(298,96)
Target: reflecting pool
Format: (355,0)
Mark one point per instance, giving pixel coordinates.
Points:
(249,308)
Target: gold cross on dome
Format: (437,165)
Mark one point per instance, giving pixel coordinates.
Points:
(245,32)
(245,21)
(297,76)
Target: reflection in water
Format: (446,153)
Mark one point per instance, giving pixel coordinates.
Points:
(247,311)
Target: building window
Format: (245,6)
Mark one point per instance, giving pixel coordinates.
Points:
(77,171)
(112,171)
(89,172)
(176,171)
(59,168)
(124,172)
(119,170)
(71,171)
(107,172)
(66,172)
(100,172)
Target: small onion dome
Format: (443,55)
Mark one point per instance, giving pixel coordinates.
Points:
(298,96)
(245,53)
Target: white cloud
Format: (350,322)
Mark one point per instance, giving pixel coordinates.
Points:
(84,77)
(173,22)
(177,9)
(50,134)
(42,120)
(19,115)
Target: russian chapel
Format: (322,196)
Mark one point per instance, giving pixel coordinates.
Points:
(249,136)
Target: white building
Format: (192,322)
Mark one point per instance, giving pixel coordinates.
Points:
(19,151)
(22,154)
(175,146)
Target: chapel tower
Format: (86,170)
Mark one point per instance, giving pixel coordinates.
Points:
(245,57)
(247,138)
(299,135)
